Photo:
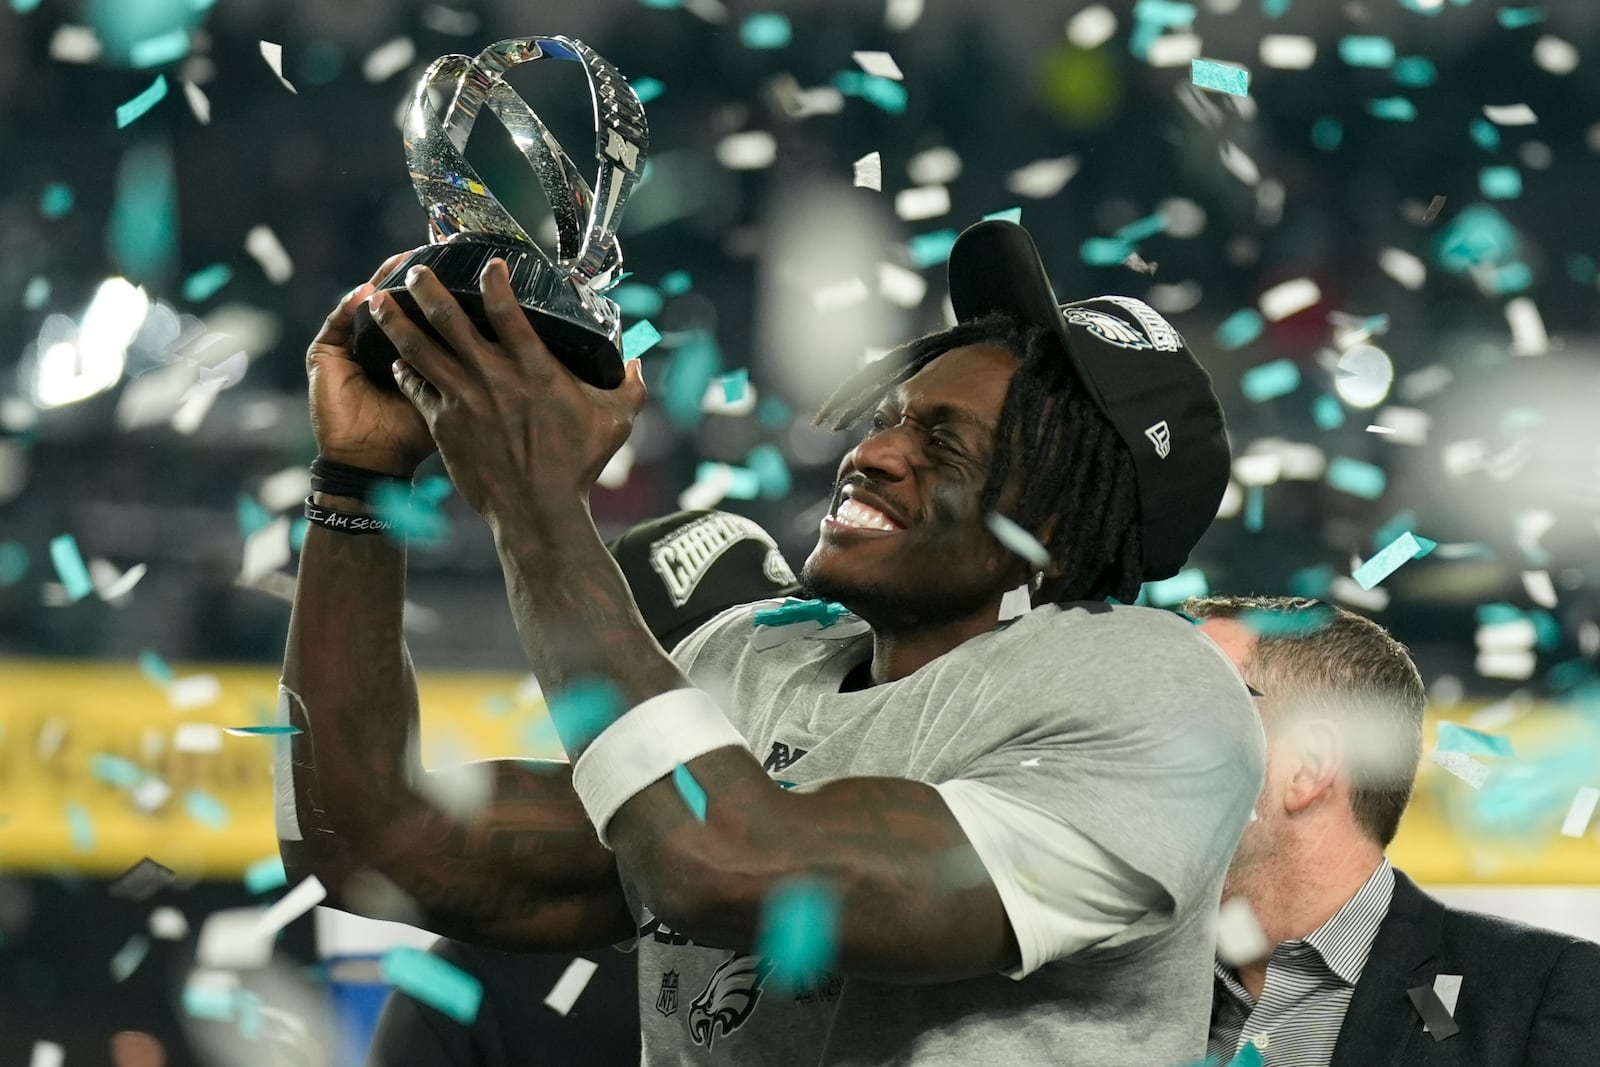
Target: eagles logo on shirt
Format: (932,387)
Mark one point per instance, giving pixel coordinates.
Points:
(730,996)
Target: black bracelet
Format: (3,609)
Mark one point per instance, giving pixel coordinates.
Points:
(346,521)
(341,479)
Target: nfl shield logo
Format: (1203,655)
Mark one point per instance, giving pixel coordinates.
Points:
(667,999)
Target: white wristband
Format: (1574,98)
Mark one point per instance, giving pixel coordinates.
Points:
(644,746)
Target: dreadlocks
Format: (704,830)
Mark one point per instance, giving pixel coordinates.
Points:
(1080,476)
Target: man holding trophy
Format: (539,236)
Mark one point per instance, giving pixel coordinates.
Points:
(1010,803)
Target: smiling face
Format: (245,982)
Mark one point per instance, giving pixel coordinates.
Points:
(904,543)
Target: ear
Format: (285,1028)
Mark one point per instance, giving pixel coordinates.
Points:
(1318,767)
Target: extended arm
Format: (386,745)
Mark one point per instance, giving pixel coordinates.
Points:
(525,869)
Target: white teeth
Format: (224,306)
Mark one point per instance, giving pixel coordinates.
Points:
(854,513)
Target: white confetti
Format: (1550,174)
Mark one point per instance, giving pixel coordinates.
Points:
(460,789)
(878,64)
(195,406)
(273,54)
(1473,772)
(168,924)
(1404,426)
(195,691)
(265,551)
(293,904)
(1421,384)
(1239,936)
(1513,634)
(1238,163)
(1018,540)
(1555,56)
(1284,51)
(1347,590)
(388,59)
(1515,664)
(709,491)
(197,737)
(231,939)
(449,20)
(1447,987)
(1043,178)
(615,473)
(1510,114)
(901,15)
(1528,337)
(1288,298)
(569,987)
(285,488)
(150,795)
(1403,267)
(747,150)
(1540,589)
(940,165)
(924,202)
(869,171)
(47,1054)
(901,287)
(268,252)
(74,44)
(1174,50)
(840,295)
(199,103)
(111,583)
(1092,27)
(1576,823)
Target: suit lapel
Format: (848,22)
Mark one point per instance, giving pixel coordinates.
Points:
(1381,1023)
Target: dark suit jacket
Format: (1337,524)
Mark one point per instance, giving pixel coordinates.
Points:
(1529,997)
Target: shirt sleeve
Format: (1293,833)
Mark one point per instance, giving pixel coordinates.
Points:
(1062,892)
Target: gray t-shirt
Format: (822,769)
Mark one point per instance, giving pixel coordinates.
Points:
(1125,722)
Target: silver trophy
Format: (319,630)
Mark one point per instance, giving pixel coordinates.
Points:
(562,294)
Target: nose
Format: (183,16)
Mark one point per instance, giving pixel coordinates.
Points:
(886,455)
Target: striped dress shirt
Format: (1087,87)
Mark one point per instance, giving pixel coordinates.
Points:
(1309,985)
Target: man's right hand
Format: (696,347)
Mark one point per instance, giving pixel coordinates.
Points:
(353,420)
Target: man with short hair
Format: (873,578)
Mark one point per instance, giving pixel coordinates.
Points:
(922,824)
(1355,946)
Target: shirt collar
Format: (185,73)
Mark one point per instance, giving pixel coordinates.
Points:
(1345,941)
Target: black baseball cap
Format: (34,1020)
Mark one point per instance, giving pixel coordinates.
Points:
(686,567)
(1136,367)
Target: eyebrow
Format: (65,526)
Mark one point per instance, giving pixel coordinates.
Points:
(945,413)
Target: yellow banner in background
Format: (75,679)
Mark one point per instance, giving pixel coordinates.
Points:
(101,766)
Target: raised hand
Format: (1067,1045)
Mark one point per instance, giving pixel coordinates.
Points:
(354,421)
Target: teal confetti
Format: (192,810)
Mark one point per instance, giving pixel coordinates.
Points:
(1249,1056)
(1240,328)
(1255,508)
(1507,279)
(13,563)
(735,385)
(931,249)
(739,483)
(1140,229)
(663,5)
(142,234)
(265,730)
(825,612)
(417,518)
(639,338)
(155,668)
(1104,251)
(694,797)
(1403,522)
(1219,77)
(1006,214)
(1292,622)
(1312,583)
(886,94)
(676,283)
(320,63)
(1453,737)
(1500,183)
(1392,109)
(1478,237)
(1356,478)
(1270,380)
(129,956)
(297,533)
(159,50)
(771,470)
(1327,412)
(130,111)
(252,517)
(37,293)
(1415,72)
(206,809)
(1327,133)
(209,1002)
(582,711)
(115,770)
(1017,540)
(22,7)
(1516,18)
(773,413)
(1386,561)
(265,875)
(1485,134)
(496,705)
(56,200)
(70,567)
(1144,35)
(1366,51)
(690,372)
(1274,8)
(1582,269)
(1164,14)
(204,283)
(766,30)
(433,981)
(799,929)
(1180,587)
(80,826)
(647,89)
(636,301)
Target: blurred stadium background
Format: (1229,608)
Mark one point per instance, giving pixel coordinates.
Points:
(1386,254)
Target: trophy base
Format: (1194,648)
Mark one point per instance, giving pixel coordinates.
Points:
(587,352)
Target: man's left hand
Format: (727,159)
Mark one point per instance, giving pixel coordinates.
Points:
(520,434)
